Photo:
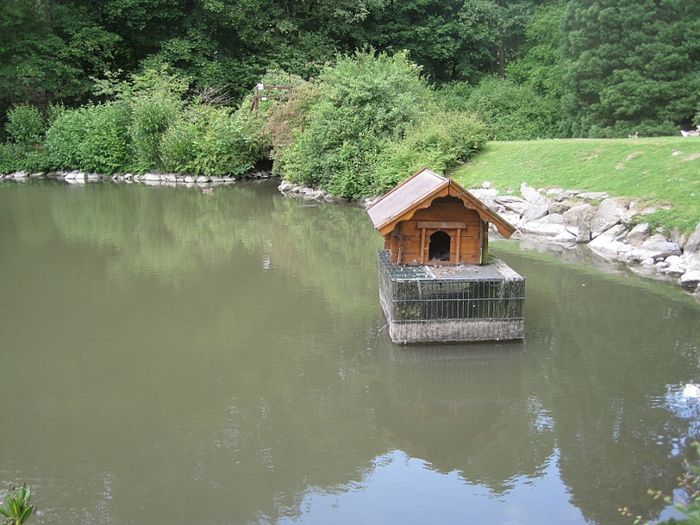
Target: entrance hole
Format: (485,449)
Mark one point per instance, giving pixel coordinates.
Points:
(439,247)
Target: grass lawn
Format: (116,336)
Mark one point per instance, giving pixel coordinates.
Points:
(664,170)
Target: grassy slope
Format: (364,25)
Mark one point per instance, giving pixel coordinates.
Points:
(658,170)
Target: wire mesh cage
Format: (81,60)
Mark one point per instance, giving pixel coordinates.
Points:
(411,294)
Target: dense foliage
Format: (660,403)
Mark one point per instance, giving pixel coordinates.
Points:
(632,66)
(364,102)
(602,67)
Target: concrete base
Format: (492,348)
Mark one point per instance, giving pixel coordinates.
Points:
(456,331)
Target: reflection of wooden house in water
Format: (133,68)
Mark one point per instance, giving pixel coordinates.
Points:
(473,413)
(437,281)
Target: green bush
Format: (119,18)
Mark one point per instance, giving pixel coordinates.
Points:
(11,156)
(179,144)
(91,138)
(455,95)
(25,125)
(233,143)
(156,100)
(364,101)
(105,147)
(214,141)
(65,137)
(512,111)
(441,142)
(288,118)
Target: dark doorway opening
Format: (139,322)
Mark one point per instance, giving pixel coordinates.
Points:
(439,247)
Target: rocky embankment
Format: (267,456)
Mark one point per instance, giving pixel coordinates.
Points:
(613,228)
(149,179)
(310,194)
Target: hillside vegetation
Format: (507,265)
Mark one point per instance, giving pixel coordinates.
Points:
(662,170)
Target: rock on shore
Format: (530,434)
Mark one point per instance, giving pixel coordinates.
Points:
(149,179)
(613,228)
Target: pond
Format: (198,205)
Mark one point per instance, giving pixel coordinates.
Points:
(174,357)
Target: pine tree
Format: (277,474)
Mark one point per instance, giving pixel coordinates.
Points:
(632,66)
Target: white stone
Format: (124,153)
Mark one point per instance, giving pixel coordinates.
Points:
(692,245)
(561,206)
(202,179)
(553,191)
(609,214)
(515,204)
(189,179)
(565,237)
(675,260)
(486,184)
(639,234)
(610,243)
(535,212)
(580,217)
(674,270)
(531,195)
(690,280)
(543,228)
(553,218)
(151,177)
(511,217)
(485,195)
(593,195)
(660,247)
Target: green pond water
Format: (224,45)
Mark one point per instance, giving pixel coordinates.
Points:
(173,357)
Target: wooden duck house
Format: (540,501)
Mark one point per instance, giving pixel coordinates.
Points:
(437,280)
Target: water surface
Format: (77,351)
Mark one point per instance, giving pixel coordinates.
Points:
(173,357)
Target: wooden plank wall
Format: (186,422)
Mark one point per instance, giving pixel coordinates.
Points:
(442,210)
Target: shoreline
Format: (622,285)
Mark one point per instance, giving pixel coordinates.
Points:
(563,221)
(148,178)
(556,220)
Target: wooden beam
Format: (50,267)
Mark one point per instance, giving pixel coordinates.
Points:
(442,225)
(484,242)
(398,257)
(422,246)
(459,244)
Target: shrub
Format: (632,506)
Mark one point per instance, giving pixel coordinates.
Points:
(156,102)
(513,112)
(214,141)
(92,138)
(363,102)
(65,137)
(441,142)
(289,118)
(25,125)
(178,145)
(151,117)
(455,95)
(233,144)
(105,146)
(11,156)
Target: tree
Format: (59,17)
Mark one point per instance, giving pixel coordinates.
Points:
(633,66)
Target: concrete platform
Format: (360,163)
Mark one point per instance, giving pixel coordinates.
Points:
(424,304)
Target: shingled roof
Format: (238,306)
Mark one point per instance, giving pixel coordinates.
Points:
(418,192)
